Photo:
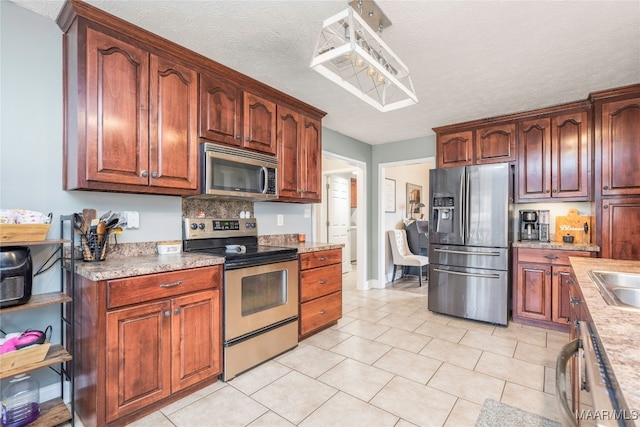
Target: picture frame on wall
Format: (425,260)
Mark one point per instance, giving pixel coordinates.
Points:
(389,195)
(414,201)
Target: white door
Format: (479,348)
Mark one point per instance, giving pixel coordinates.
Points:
(338,216)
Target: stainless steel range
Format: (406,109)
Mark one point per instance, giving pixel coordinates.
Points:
(260,300)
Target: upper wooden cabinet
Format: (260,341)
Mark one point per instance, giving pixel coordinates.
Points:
(618,130)
(220,110)
(299,157)
(554,157)
(487,144)
(495,144)
(231,116)
(131,122)
(135,108)
(455,149)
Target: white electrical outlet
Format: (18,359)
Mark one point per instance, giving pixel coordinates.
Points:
(132,218)
(280,220)
(307,212)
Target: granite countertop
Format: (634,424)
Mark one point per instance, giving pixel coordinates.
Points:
(117,268)
(304,247)
(616,327)
(556,245)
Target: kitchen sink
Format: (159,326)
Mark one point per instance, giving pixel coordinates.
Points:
(618,289)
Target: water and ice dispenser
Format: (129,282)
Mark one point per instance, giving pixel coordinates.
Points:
(443,214)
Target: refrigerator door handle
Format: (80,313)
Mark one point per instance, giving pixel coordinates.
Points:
(449,251)
(459,273)
(467,211)
(462,207)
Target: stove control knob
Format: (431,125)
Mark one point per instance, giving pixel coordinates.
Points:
(201,226)
(193,226)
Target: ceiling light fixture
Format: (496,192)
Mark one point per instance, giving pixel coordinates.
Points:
(352,55)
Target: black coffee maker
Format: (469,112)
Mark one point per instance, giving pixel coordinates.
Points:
(529,225)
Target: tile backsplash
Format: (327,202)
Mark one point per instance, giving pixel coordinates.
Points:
(215,208)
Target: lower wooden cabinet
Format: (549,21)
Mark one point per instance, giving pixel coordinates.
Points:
(320,290)
(541,290)
(155,336)
(620,232)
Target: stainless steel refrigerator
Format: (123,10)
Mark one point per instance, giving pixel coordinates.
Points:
(469,236)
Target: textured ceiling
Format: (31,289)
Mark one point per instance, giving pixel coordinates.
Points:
(468,59)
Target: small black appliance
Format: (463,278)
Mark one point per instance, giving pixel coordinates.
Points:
(16,275)
(529,225)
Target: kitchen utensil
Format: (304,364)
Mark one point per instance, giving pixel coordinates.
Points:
(78,223)
(88,215)
(101,229)
(105,216)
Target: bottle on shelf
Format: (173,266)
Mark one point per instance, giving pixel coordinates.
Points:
(20,401)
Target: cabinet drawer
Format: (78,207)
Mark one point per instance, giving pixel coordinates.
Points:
(321,281)
(320,258)
(138,289)
(549,256)
(319,312)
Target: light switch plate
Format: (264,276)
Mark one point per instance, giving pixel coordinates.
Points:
(280,219)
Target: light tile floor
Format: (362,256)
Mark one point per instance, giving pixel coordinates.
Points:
(388,362)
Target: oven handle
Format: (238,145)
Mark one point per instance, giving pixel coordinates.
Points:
(567,352)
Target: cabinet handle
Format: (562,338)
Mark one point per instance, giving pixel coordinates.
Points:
(167,313)
(548,273)
(171,285)
(555,191)
(606,187)
(570,282)
(547,191)
(154,174)
(176,311)
(551,256)
(574,300)
(238,136)
(145,174)
(605,207)
(322,312)
(322,258)
(247,139)
(555,273)
(322,282)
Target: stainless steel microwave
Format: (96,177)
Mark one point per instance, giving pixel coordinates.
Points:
(233,173)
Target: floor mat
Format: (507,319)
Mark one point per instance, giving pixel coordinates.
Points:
(496,414)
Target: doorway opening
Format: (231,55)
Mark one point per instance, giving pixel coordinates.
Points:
(396,205)
(341,216)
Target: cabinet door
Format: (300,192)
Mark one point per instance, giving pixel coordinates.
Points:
(220,111)
(534,159)
(620,228)
(621,147)
(138,357)
(495,144)
(570,156)
(173,159)
(289,132)
(561,282)
(196,338)
(533,299)
(117,92)
(310,159)
(455,149)
(259,123)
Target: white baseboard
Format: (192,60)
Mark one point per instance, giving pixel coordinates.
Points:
(53,390)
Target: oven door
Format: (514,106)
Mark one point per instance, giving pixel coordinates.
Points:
(258,297)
